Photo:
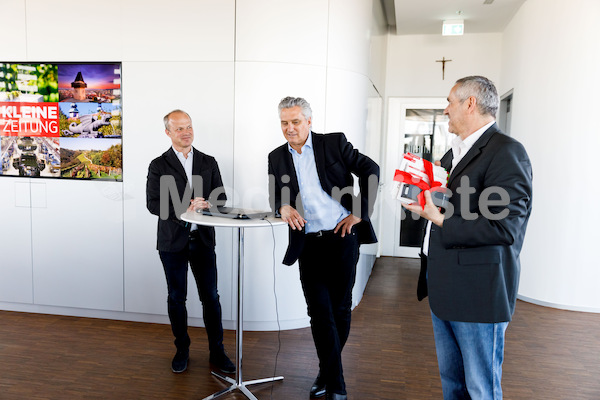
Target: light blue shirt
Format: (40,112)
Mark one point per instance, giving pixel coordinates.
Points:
(320,210)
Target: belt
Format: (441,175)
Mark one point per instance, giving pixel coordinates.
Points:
(320,234)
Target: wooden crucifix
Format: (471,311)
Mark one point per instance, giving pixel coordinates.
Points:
(443,61)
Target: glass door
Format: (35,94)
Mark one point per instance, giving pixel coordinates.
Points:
(416,126)
(425,135)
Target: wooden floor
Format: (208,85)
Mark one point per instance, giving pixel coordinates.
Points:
(550,354)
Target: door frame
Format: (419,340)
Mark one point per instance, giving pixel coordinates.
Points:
(392,210)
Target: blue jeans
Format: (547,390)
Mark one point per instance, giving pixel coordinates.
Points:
(470,358)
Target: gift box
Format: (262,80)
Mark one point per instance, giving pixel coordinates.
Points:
(416,175)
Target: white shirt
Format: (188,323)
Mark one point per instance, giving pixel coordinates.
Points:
(460,148)
(187,164)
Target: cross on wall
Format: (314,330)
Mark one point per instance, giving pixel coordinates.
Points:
(443,61)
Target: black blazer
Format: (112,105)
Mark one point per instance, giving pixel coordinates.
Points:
(473,265)
(336,160)
(173,233)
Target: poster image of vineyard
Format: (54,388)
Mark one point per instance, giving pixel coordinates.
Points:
(90,120)
(84,158)
(28,83)
(94,83)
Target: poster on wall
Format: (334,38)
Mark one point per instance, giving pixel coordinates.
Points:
(61,120)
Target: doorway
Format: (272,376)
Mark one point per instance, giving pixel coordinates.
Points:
(505,113)
(418,126)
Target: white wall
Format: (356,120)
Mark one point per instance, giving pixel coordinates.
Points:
(551,55)
(412,70)
(228,63)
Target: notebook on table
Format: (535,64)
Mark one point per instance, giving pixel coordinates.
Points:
(235,213)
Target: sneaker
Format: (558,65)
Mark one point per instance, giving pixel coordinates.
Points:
(180,361)
(222,362)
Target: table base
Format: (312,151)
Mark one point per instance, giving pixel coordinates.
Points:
(239,386)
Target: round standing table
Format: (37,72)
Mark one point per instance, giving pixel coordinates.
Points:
(240,224)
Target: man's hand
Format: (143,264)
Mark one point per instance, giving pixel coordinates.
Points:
(198,203)
(430,212)
(292,217)
(346,224)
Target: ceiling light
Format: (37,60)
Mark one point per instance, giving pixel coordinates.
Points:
(453,27)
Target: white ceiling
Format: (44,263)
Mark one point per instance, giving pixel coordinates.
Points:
(422,17)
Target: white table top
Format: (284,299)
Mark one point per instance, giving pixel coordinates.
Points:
(209,220)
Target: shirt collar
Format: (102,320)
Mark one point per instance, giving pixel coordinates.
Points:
(471,139)
(308,143)
(180,154)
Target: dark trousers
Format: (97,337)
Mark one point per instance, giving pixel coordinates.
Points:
(202,261)
(327,274)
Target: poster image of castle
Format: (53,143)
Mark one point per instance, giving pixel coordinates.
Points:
(90,120)
(83,83)
(83,158)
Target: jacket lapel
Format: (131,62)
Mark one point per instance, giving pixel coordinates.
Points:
(174,163)
(289,166)
(197,166)
(319,151)
(473,152)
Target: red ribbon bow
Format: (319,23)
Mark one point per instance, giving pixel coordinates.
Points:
(405,177)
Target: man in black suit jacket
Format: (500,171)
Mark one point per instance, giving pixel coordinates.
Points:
(472,268)
(313,192)
(172,178)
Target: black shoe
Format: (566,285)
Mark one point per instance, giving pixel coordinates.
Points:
(318,388)
(336,396)
(222,362)
(180,361)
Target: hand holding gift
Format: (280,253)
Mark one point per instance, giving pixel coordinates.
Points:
(417,175)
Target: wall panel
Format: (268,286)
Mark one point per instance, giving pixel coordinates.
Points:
(183,30)
(15,241)
(205,91)
(62,30)
(14,46)
(77,236)
(349,35)
(282,31)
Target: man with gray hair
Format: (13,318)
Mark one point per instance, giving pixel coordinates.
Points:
(180,243)
(313,193)
(471,265)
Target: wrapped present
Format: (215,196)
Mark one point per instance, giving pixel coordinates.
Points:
(417,175)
